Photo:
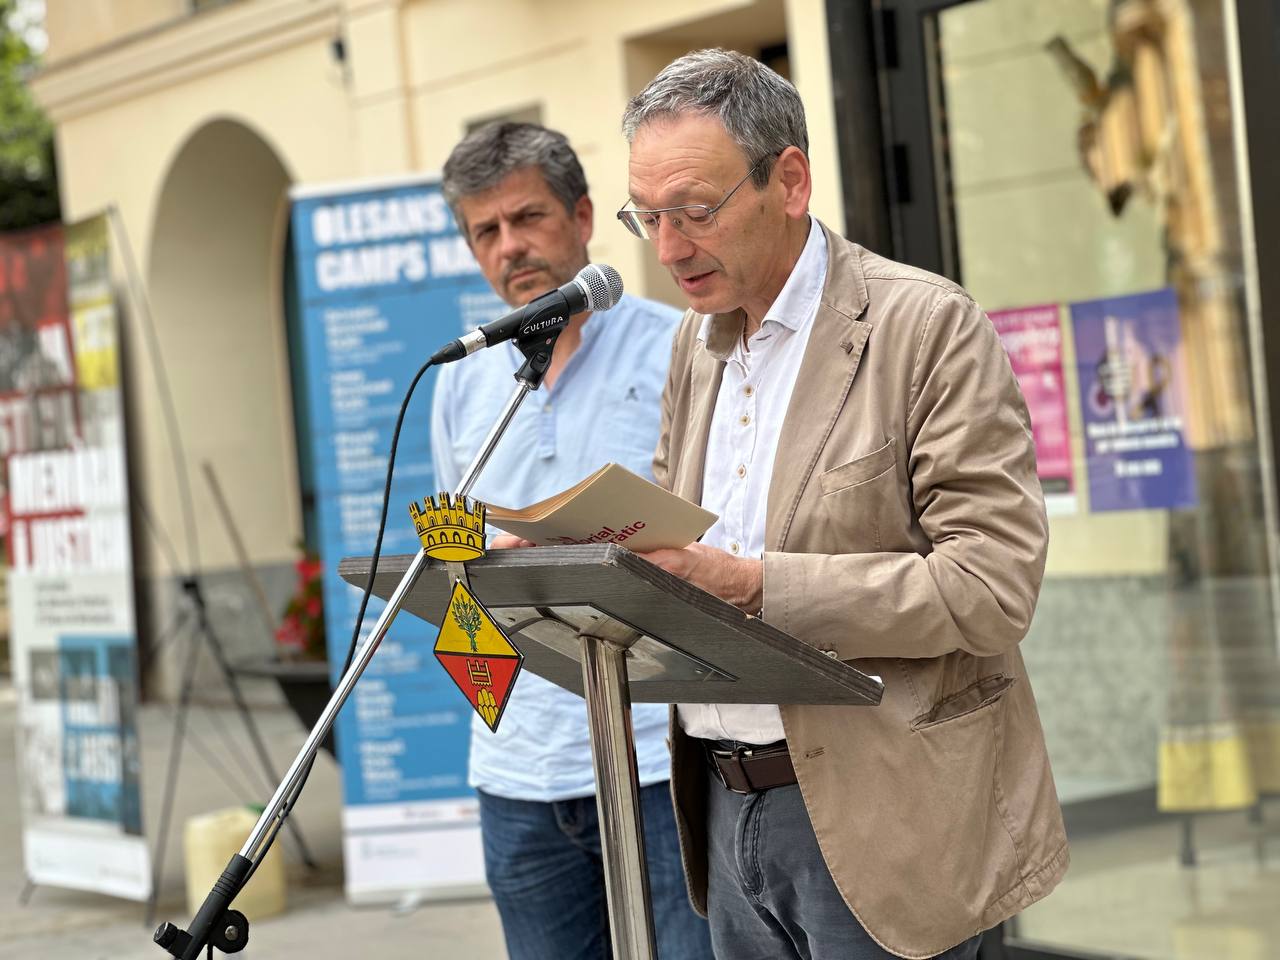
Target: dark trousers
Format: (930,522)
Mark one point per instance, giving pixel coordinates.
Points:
(544,866)
(770,895)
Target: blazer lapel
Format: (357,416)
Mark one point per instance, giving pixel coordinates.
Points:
(831,359)
(705,376)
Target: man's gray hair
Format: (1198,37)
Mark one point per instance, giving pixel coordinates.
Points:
(486,156)
(760,110)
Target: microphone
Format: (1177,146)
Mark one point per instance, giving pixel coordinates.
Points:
(596,287)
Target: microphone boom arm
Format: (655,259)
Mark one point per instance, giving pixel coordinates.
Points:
(215,923)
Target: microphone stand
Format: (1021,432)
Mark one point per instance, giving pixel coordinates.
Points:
(216,924)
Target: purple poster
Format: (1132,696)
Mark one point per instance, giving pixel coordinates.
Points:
(1133,402)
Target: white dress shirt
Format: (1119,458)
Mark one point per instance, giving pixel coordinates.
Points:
(750,407)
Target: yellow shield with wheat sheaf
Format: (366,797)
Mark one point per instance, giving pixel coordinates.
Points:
(478,655)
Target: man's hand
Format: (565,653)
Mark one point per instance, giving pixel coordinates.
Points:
(738,580)
(505,541)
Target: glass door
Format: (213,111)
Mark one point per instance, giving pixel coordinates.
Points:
(1074,165)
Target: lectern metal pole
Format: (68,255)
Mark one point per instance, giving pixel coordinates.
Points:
(613,752)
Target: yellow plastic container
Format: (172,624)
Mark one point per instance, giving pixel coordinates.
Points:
(209,841)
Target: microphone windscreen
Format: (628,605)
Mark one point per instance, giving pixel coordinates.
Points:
(603,285)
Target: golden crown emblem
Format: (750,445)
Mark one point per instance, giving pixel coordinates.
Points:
(450,528)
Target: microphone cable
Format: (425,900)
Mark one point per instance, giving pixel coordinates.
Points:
(287,807)
(601,289)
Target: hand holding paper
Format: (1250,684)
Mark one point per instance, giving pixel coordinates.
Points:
(613,505)
(736,580)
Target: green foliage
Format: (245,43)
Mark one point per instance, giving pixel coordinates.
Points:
(28,179)
(467,616)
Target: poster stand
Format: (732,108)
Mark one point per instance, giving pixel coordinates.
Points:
(73,625)
(192,617)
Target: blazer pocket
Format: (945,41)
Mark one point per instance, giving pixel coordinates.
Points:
(982,693)
(860,470)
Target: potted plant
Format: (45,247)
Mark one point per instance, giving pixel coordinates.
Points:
(300,666)
(300,635)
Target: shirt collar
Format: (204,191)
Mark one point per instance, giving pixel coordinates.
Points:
(793,308)
(799,295)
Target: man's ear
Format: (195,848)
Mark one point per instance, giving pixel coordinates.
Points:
(792,169)
(584,217)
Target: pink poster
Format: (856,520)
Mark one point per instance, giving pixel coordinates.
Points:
(1032,336)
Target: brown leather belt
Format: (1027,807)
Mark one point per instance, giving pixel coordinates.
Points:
(749,769)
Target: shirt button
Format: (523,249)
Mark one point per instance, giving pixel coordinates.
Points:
(744,419)
(748,390)
(733,547)
(742,470)
(830,653)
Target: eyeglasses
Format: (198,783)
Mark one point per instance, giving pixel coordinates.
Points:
(691,219)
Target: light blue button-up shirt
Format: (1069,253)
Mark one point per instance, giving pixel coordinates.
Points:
(604,407)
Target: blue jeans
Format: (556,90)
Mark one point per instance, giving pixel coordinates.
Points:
(770,895)
(544,866)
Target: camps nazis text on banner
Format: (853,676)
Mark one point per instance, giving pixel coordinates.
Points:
(383,278)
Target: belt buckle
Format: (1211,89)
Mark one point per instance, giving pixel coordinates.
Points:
(737,755)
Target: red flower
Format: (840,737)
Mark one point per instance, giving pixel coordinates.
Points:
(308,568)
(301,631)
(289,634)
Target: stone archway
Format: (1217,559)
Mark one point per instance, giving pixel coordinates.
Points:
(214,269)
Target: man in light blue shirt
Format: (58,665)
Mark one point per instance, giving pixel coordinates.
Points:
(520,198)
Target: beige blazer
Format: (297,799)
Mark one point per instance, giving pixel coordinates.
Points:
(906,534)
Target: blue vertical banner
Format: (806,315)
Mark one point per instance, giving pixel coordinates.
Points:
(1133,400)
(384,278)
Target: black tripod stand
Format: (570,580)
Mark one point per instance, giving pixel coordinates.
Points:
(193,619)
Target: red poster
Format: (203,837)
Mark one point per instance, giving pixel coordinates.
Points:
(38,408)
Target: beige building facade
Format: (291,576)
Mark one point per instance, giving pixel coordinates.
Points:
(193,120)
(1047,155)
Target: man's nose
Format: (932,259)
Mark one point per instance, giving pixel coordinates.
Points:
(673,246)
(511,242)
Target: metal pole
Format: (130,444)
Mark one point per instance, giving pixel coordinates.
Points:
(495,434)
(242,707)
(613,753)
(339,697)
(366,652)
(171,773)
(188,944)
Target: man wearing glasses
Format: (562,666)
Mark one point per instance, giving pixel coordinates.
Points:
(520,198)
(856,426)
